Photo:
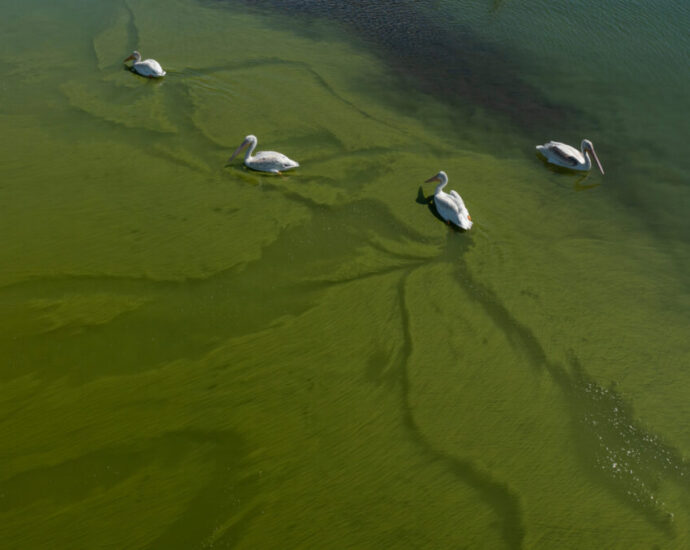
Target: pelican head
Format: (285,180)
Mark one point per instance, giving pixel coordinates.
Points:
(135,55)
(587,146)
(441,177)
(247,140)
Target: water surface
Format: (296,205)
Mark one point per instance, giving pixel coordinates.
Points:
(196,355)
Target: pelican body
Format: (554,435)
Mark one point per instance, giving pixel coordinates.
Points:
(149,68)
(568,157)
(450,206)
(263,161)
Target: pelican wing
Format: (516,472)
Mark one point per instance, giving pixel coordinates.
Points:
(446,207)
(452,209)
(565,152)
(271,161)
(149,67)
(458,200)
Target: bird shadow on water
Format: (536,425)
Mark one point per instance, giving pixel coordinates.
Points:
(582,185)
(581,181)
(150,81)
(254,177)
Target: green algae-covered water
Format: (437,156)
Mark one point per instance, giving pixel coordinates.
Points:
(194,355)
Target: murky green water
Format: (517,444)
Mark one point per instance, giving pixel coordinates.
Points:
(195,355)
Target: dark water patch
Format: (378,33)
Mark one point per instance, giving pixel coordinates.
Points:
(377,370)
(347,219)
(193,73)
(333,282)
(106,468)
(132,30)
(615,448)
(497,494)
(452,64)
(631,459)
(229,490)
(655,193)
(497,5)
(215,307)
(519,335)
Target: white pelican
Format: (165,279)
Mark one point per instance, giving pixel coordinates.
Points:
(450,206)
(149,67)
(264,161)
(569,157)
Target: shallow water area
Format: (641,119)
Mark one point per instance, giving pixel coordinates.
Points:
(197,355)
